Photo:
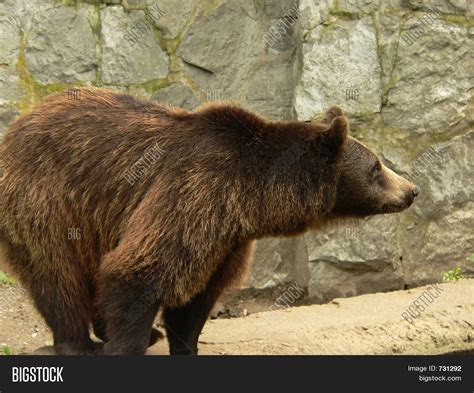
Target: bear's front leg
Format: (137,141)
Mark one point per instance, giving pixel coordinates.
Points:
(184,324)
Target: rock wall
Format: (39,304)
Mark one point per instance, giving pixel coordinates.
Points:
(402,69)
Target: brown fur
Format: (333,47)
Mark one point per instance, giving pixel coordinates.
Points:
(183,231)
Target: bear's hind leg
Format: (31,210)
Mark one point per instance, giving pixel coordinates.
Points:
(61,295)
(65,304)
(100,330)
(128,310)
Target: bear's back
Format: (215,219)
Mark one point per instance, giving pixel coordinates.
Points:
(65,164)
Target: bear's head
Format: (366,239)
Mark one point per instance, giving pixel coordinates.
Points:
(365,186)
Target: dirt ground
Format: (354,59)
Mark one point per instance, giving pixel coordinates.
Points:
(368,324)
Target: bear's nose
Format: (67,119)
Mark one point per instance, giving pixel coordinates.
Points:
(416,191)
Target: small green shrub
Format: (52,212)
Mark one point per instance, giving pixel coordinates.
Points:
(7,350)
(452,275)
(6,279)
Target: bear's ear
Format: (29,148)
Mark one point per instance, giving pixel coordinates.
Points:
(336,135)
(331,113)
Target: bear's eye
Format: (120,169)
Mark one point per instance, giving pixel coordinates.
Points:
(377,167)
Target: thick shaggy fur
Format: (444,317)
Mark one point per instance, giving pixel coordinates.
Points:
(175,238)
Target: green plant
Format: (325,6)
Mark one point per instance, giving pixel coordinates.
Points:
(452,275)
(6,279)
(471,257)
(7,350)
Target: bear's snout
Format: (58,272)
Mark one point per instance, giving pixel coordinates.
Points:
(410,195)
(416,190)
(400,193)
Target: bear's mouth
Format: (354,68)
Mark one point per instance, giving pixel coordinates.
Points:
(395,207)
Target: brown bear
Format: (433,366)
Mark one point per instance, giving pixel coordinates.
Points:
(112,207)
